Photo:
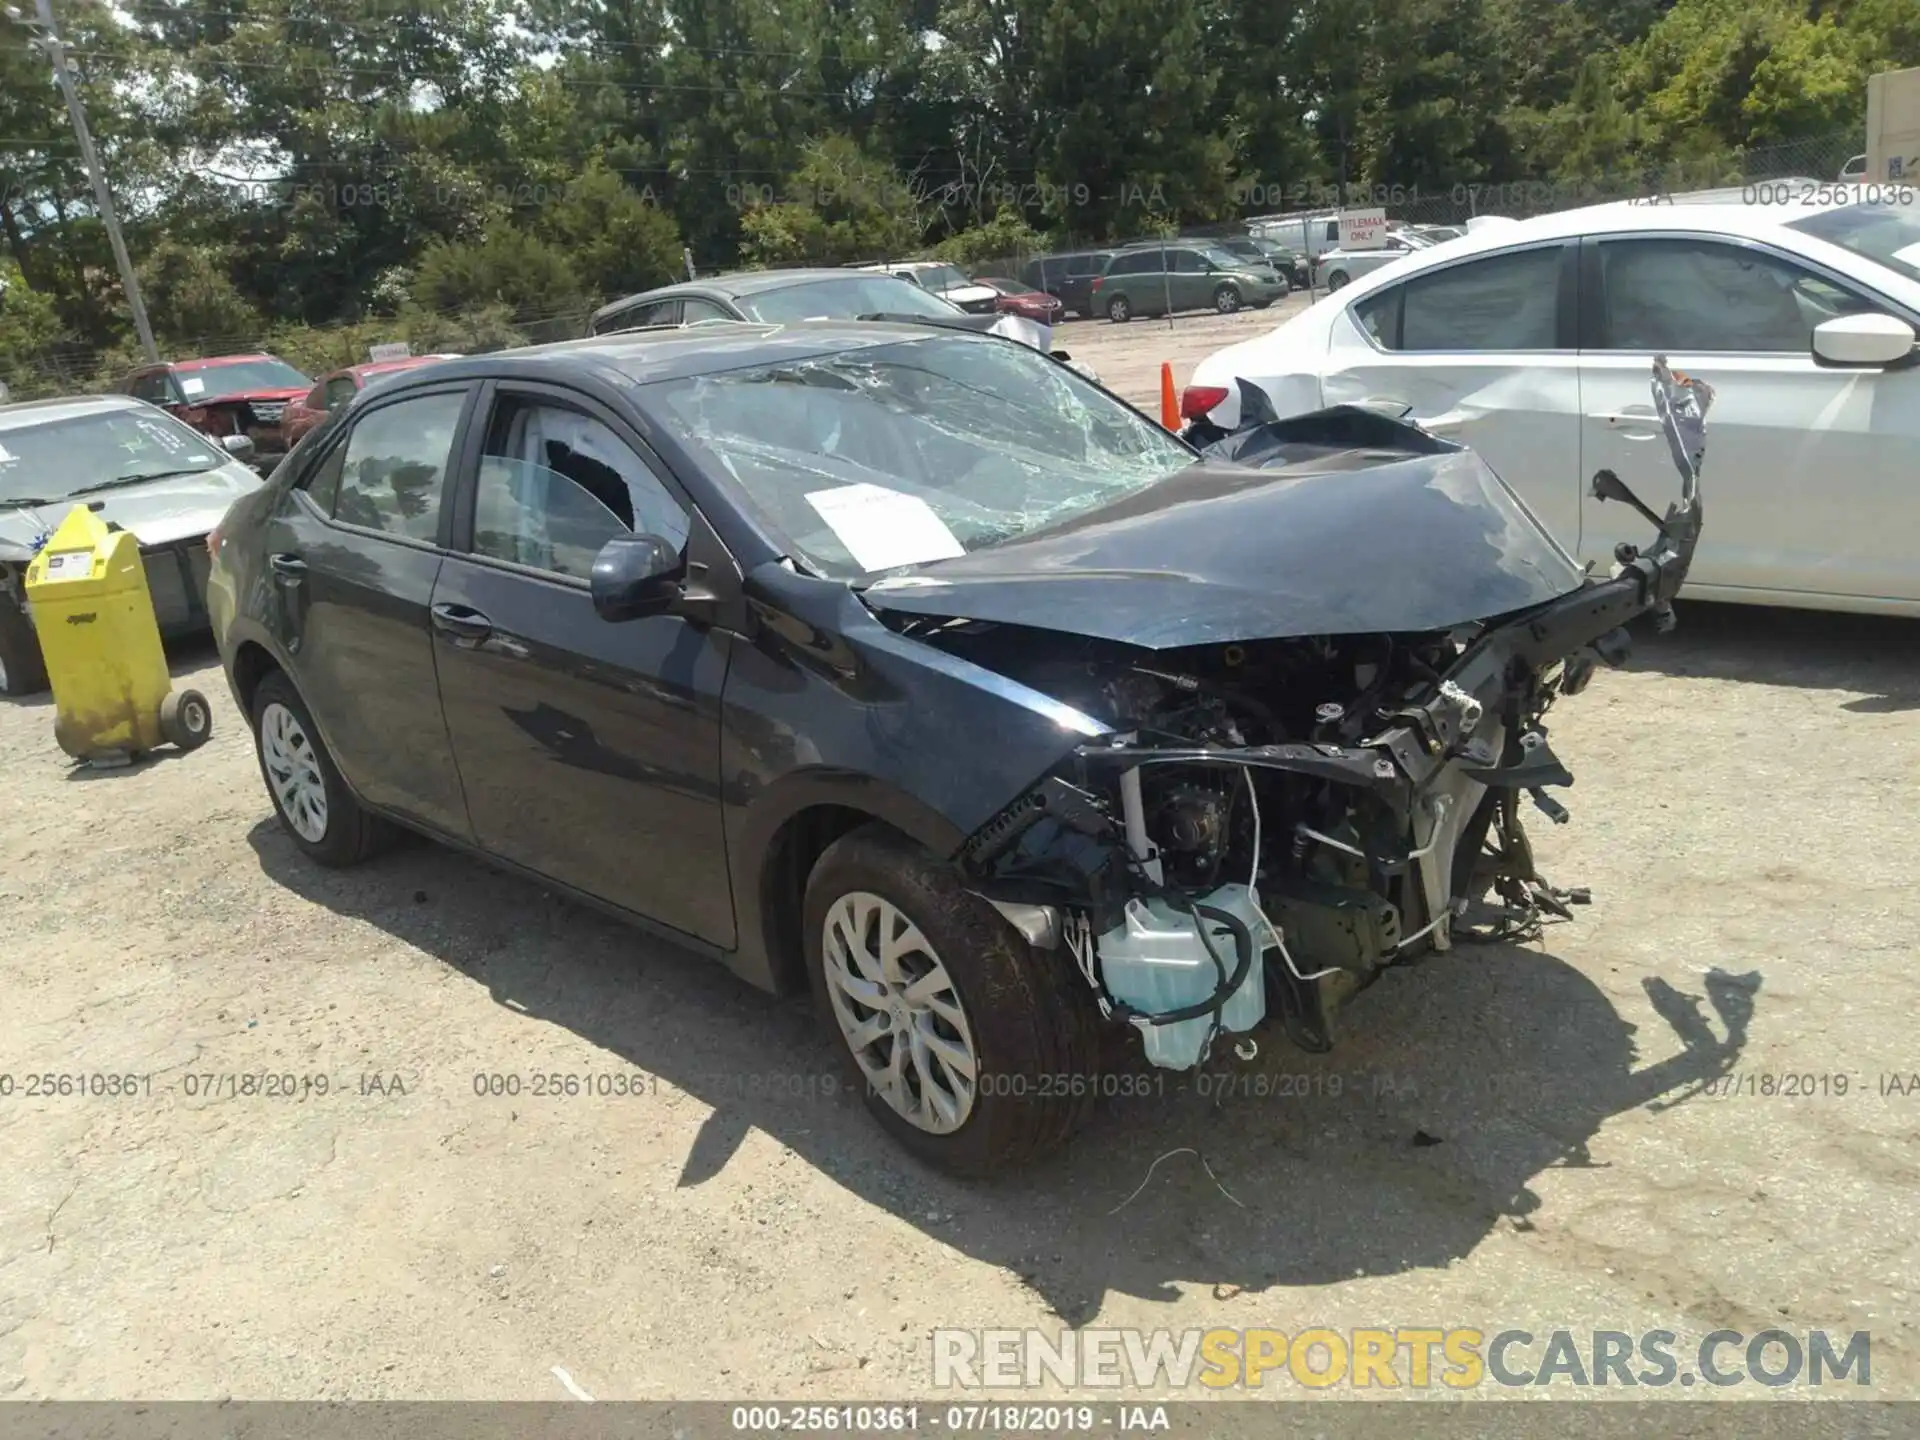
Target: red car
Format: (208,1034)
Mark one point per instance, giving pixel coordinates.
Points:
(225,395)
(336,388)
(1024,301)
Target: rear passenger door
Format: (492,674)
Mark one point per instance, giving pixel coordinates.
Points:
(1484,351)
(590,750)
(353,552)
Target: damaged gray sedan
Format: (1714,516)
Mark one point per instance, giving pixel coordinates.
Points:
(905,664)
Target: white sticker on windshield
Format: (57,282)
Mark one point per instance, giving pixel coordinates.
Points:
(7,457)
(192,385)
(1908,254)
(882,528)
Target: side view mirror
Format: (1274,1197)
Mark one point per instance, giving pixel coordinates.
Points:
(1863,341)
(636,575)
(240,447)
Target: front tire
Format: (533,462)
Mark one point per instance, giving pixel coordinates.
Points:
(964,1040)
(315,807)
(1337,281)
(1118,310)
(23,670)
(1226,299)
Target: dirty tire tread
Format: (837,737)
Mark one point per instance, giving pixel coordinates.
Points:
(20,650)
(353,833)
(1044,1024)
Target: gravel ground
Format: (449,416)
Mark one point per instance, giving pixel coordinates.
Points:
(1744,816)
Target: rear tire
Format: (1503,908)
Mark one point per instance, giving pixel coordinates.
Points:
(315,807)
(1118,310)
(186,719)
(1336,281)
(23,670)
(910,969)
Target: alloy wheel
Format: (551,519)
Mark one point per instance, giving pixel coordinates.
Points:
(293,770)
(899,1012)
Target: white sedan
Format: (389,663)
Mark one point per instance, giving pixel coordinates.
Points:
(1530,341)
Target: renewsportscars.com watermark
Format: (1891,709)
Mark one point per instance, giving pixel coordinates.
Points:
(1456,1358)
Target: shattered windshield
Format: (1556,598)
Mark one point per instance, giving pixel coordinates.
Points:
(875,458)
(1887,233)
(52,461)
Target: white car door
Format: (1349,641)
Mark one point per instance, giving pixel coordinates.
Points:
(1808,485)
(1483,352)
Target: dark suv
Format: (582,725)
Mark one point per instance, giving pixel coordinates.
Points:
(1068,277)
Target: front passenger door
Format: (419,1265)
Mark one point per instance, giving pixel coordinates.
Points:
(1806,465)
(590,750)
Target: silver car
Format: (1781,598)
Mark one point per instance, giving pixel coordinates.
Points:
(1335,268)
(140,469)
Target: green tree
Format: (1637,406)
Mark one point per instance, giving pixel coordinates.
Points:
(616,239)
(192,300)
(506,267)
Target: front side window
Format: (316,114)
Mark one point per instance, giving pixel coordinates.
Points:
(693,311)
(339,392)
(1505,302)
(395,466)
(555,485)
(1187,262)
(657,312)
(1688,295)
(889,455)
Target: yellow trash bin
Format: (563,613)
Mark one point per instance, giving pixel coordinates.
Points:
(113,698)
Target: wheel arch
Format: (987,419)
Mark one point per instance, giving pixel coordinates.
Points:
(811,813)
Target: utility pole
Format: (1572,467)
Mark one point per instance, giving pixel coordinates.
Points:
(103,198)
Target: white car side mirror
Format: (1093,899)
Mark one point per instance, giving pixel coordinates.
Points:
(1861,341)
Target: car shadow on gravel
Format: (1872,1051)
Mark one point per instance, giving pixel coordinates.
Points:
(1455,1083)
(1871,655)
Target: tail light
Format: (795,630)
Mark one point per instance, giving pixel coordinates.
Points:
(1197,400)
(1098,281)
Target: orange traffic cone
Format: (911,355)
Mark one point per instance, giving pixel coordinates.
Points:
(1169,401)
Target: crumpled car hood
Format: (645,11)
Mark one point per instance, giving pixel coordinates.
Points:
(157,513)
(1354,524)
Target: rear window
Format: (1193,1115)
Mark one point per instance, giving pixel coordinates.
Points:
(1505,302)
(842,298)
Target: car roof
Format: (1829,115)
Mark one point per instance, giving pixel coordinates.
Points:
(732,284)
(642,357)
(25,414)
(382,367)
(1679,214)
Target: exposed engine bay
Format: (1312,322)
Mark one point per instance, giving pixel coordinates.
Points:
(1268,825)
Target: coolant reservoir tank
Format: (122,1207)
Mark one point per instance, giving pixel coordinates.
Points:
(1155,961)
